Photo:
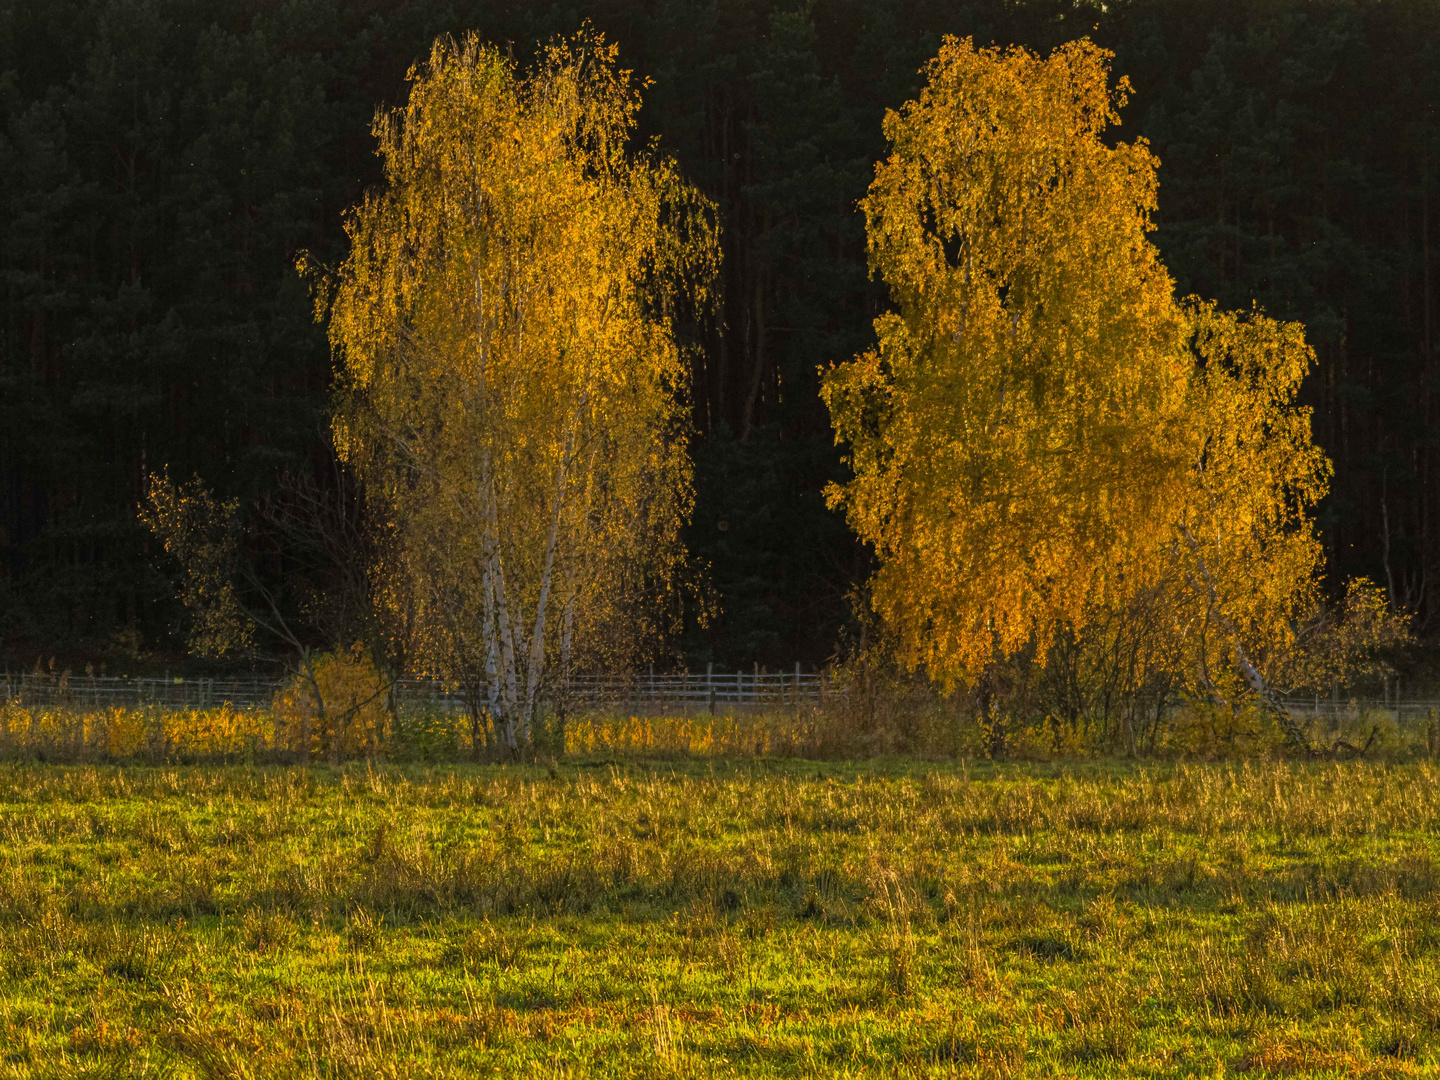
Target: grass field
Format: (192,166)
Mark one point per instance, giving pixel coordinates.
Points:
(752,919)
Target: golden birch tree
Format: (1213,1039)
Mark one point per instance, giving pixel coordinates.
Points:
(1012,434)
(512,393)
(1044,441)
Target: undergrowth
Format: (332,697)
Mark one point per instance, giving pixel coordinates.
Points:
(921,725)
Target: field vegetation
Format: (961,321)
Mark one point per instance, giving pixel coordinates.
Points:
(759,918)
(917,724)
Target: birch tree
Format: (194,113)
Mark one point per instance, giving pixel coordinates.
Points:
(511,389)
(1013,432)
(1047,444)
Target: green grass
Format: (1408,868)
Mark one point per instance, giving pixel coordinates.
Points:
(755,919)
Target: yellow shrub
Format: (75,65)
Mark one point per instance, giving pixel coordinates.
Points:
(353,692)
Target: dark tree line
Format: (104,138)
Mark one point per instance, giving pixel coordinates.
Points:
(163,161)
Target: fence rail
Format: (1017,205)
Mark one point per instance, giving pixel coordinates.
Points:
(101,691)
(1328,707)
(685,690)
(643,692)
(702,688)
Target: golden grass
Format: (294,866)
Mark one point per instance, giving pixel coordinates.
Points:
(761,918)
(927,727)
(144,732)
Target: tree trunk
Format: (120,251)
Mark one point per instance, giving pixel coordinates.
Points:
(319,707)
(537,635)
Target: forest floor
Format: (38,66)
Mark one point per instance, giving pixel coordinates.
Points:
(760,918)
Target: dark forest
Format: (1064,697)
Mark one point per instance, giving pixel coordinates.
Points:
(162,162)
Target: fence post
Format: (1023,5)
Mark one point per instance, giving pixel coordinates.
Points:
(710,685)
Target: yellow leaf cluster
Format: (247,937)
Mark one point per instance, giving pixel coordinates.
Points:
(356,716)
(512,393)
(1043,433)
(202,535)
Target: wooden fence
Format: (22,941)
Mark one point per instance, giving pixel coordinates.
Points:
(642,693)
(102,692)
(647,692)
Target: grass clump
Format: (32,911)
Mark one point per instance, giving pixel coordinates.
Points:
(764,918)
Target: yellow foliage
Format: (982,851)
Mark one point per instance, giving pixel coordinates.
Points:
(1243,564)
(1354,642)
(513,396)
(202,535)
(1014,433)
(1045,440)
(355,715)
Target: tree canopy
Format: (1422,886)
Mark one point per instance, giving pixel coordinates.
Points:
(1043,434)
(513,396)
(1015,433)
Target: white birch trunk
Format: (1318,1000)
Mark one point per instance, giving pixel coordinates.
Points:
(567,626)
(492,648)
(537,636)
(509,690)
(1251,673)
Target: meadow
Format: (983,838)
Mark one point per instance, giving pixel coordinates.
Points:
(761,917)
